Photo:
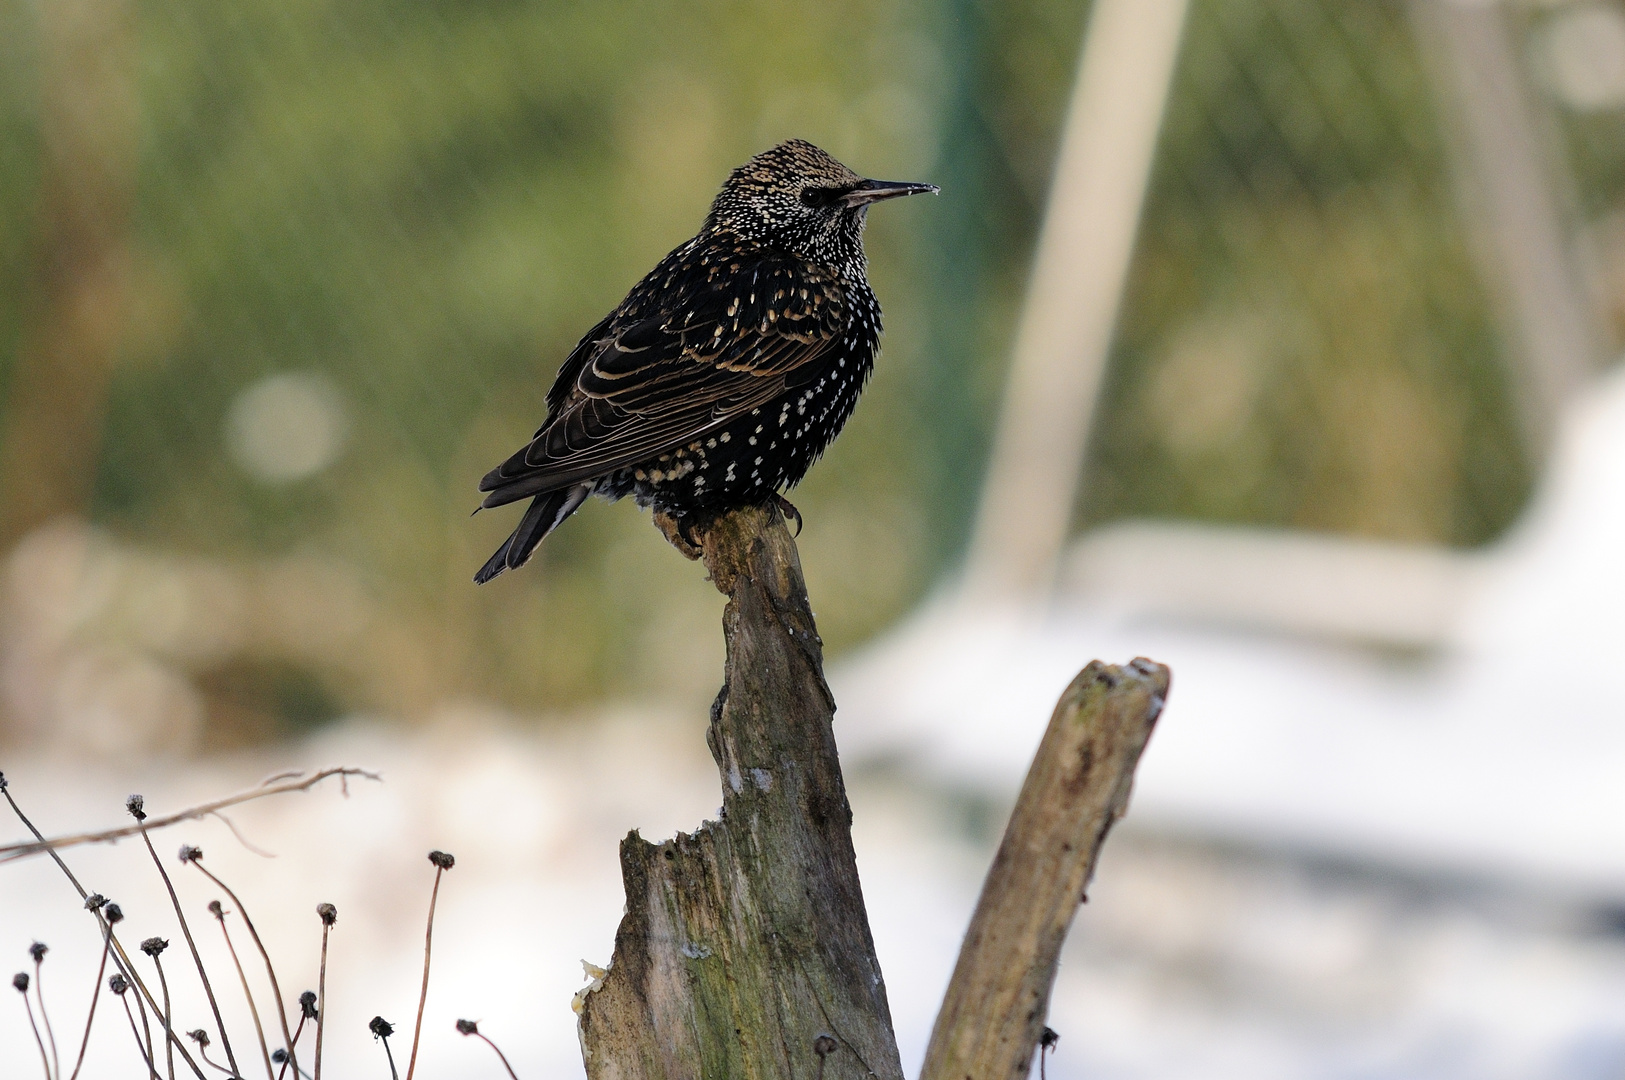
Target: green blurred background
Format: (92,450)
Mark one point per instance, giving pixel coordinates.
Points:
(280,280)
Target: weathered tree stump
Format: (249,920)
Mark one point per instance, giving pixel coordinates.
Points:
(745,949)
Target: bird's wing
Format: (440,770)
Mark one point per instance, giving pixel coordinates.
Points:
(701,341)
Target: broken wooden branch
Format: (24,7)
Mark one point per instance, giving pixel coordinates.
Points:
(998,999)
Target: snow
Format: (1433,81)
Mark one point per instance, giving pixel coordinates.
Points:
(1500,752)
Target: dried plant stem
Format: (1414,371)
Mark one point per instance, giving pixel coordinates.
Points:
(152,1055)
(270,970)
(297,1071)
(321,1005)
(393,1075)
(197,960)
(172,1040)
(423,995)
(204,1054)
(120,957)
(95,996)
(504,1057)
(253,1010)
(298,782)
(44,1058)
(135,1031)
(45,1018)
(169,1043)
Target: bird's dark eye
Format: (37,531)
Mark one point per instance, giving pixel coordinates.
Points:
(819,196)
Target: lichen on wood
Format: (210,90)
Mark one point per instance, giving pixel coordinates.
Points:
(747,941)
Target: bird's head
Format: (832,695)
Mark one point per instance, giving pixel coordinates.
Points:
(798,198)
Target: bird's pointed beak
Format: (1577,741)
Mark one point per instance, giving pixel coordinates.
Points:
(874,190)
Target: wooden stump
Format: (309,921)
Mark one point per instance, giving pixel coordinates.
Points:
(745,949)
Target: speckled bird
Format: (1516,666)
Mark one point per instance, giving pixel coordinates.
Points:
(726,372)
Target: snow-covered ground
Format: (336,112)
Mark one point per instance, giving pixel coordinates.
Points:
(1192,959)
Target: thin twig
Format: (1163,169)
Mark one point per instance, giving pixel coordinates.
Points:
(265,1051)
(381,1029)
(201,1037)
(241,839)
(469,1027)
(152,1055)
(10,852)
(120,957)
(139,1045)
(329,915)
(442,863)
(21,983)
(270,969)
(186,929)
(171,1038)
(169,1043)
(285,1058)
(37,951)
(95,996)
(283,1070)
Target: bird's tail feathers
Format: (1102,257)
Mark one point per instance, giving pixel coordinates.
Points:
(545,513)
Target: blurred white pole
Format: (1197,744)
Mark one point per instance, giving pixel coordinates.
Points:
(1511,186)
(1077,284)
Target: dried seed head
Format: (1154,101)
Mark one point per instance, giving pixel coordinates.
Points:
(113,913)
(468,1027)
(307,1004)
(94,901)
(279,1055)
(153,946)
(199,1036)
(38,951)
(3,782)
(328,914)
(190,853)
(825,1045)
(136,805)
(442,860)
(118,983)
(20,981)
(380,1028)
(216,910)
(1049,1038)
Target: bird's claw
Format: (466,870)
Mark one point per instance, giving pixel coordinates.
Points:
(679,533)
(788,509)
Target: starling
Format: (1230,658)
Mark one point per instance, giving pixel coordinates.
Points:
(725,372)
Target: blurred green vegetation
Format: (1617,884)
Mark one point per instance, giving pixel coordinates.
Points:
(1306,341)
(427,202)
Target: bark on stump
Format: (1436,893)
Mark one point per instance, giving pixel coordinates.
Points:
(745,949)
